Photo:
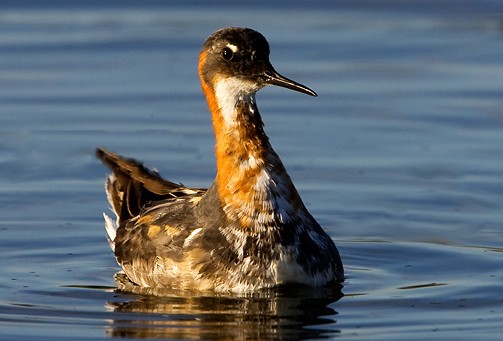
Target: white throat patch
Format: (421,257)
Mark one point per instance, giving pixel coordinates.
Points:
(230,91)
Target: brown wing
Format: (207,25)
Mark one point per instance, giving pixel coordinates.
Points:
(132,186)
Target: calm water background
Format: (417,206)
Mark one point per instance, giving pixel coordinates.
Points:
(399,158)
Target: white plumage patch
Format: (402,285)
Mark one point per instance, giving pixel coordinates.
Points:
(111,228)
(191,236)
(111,225)
(271,186)
(233,47)
(232,90)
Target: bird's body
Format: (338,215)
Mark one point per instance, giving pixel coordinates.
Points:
(250,229)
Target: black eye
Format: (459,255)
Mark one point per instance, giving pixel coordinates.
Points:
(227,53)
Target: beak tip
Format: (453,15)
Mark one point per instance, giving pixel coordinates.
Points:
(307,91)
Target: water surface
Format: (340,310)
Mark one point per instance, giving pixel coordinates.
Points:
(399,158)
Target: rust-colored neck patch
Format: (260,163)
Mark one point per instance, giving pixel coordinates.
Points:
(253,184)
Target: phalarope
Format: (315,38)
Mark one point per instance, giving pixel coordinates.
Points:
(250,229)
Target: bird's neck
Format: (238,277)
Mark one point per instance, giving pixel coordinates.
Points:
(253,185)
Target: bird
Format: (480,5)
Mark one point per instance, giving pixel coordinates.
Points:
(248,231)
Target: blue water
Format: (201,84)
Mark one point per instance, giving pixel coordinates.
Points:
(399,158)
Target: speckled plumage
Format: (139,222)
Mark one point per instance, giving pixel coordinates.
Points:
(250,229)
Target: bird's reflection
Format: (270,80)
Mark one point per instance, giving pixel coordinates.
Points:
(286,314)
